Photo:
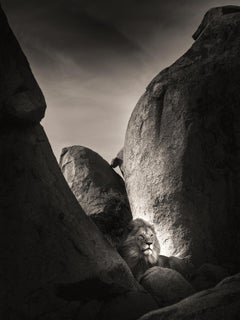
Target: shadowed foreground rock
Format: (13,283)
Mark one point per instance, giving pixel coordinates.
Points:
(166,286)
(221,302)
(45,236)
(182,147)
(99,190)
(207,276)
(127,306)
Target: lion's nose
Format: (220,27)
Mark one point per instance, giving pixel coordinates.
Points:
(149,242)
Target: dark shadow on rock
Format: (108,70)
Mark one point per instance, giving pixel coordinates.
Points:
(89,289)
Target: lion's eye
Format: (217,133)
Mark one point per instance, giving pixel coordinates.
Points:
(151,235)
(140,237)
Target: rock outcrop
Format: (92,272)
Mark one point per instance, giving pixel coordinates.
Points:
(21,100)
(45,236)
(208,276)
(99,190)
(221,302)
(183,266)
(166,286)
(126,307)
(182,147)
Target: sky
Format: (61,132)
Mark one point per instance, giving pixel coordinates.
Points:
(94,58)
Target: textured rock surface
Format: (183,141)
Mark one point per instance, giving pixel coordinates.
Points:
(45,236)
(99,190)
(207,276)
(21,99)
(127,307)
(166,286)
(221,302)
(182,266)
(182,147)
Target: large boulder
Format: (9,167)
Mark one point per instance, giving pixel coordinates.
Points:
(183,266)
(21,100)
(99,190)
(221,302)
(46,239)
(166,286)
(45,236)
(182,147)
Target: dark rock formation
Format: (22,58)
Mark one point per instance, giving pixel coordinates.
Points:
(183,266)
(45,236)
(99,190)
(166,286)
(21,100)
(128,306)
(182,147)
(207,276)
(221,302)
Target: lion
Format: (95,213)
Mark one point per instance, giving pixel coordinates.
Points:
(141,248)
(141,251)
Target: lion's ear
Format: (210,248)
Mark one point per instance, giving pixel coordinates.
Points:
(130,226)
(152,226)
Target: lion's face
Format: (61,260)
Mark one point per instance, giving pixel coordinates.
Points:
(141,247)
(145,240)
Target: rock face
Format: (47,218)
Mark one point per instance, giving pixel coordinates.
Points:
(127,306)
(182,147)
(45,236)
(221,302)
(166,286)
(21,100)
(182,266)
(207,276)
(99,190)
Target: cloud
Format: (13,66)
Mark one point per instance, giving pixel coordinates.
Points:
(67,28)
